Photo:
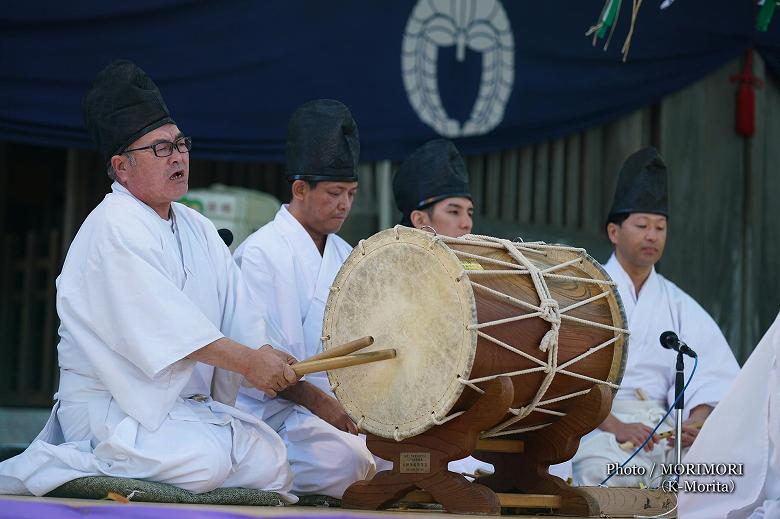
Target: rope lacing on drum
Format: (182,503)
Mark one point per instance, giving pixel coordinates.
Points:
(395,232)
(440,421)
(548,310)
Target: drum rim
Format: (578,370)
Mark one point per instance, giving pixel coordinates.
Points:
(617,309)
(463,284)
(617,371)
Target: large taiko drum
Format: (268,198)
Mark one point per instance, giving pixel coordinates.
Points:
(462,311)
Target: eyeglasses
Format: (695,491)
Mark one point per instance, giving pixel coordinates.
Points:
(165,149)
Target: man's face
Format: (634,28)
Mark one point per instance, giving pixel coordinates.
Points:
(156,181)
(451,217)
(640,239)
(325,206)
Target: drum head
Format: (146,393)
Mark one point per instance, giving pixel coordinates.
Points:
(404,289)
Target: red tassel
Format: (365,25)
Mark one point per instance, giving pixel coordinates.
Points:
(746,97)
(746,110)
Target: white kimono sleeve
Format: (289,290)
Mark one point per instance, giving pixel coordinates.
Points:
(132,322)
(717,366)
(276,293)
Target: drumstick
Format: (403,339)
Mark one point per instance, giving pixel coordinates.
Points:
(344,349)
(313,366)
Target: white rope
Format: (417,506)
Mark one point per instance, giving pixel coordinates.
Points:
(594,324)
(506,297)
(495,272)
(485,259)
(508,374)
(503,321)
(489,241)
(395,231)
(498,432)
(564,397)
(548,310)
(471,385)
(560,266)
(590,351)
(479,243)
(511,348)
(441,421)
(585,302)
(581,280)
(549,411)
(589,379)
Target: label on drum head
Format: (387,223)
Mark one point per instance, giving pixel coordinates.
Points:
(471,265)
(415,463)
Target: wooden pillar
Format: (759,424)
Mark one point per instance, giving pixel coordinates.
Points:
(71,200)
(384,194)
(4,174)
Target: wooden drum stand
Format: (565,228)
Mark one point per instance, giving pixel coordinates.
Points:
(521,478)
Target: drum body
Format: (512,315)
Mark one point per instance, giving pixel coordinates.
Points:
(462,311)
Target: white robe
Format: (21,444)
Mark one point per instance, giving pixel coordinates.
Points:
(136,295)
(283,268)
(659,306)
(744,428)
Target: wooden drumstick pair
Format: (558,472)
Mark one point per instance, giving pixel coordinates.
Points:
(342,356)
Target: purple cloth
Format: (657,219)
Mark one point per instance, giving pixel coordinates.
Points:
(17,509)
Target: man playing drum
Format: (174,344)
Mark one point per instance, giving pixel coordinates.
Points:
(291,263)
(637,227)
(148,288)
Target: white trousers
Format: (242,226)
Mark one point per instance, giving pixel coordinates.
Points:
(199,447)
(599,448)
(324,460)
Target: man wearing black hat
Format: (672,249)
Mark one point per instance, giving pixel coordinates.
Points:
(637,227)
(147,290)
(294,260)
(432,190)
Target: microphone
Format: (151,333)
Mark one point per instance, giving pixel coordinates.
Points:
(670,341)
(227,237)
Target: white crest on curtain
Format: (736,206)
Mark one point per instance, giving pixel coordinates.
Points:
(480,25)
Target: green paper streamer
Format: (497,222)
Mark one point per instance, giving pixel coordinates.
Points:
(609,17)
(765,15)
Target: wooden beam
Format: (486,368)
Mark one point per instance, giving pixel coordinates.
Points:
(506,500)
(510,446)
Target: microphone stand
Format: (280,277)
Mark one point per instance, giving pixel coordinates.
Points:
(679,383)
